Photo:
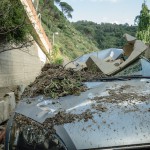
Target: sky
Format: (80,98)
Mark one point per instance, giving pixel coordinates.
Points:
(112,11)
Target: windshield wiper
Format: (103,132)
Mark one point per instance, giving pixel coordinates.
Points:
(122,78)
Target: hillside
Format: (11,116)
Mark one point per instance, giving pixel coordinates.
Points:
(75,39)
(106,35)
(69,41)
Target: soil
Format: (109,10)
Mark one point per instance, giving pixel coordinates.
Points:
(99,107)
(117,96)
(55,81)
(59,119)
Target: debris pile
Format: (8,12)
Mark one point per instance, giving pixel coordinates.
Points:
(118,96)
(59,119)
(63,118)
(55,81)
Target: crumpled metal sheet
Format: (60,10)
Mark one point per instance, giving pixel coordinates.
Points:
(102,54)
(109,68)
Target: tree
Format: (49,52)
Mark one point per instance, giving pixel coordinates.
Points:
(14,29)
(57,1)
(66,9)
(105,35)
(143,22)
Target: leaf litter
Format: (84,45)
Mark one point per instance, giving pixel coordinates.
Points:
(55,81)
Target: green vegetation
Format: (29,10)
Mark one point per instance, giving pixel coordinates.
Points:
(13,26)
(105,35)
(143,22)
(73,39)
(56,56)
(71,43)
(66,9)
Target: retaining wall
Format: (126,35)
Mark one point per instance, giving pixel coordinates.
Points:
(18,67)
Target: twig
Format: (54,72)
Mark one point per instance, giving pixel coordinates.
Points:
(20,47)
(72,61)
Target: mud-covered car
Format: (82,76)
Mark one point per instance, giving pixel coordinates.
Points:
(110,115)
(113,113)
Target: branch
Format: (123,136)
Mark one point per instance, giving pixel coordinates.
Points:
(72,61)
(26,44)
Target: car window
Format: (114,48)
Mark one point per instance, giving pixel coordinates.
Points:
(140,67)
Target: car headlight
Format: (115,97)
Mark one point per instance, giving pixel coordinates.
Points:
(24,133)
(33,134)
(54,143)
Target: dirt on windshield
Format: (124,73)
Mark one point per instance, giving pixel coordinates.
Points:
(55,81)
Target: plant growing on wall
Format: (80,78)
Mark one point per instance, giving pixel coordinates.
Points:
(56,55)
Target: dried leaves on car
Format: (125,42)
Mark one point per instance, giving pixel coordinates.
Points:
(55,81)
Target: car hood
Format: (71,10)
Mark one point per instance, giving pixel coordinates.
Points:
(120,110)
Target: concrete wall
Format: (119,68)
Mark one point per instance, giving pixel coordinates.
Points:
(18,67)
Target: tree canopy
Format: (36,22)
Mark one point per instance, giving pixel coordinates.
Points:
(143,22)
(105,35)
(66,9)
(13,26)
(69,41)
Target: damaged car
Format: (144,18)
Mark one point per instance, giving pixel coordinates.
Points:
(111,111)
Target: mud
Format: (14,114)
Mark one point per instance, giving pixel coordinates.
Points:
(63,118)
(99,107)
(118,96)
(55,81)
(59,119)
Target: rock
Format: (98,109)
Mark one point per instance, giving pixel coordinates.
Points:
(7,105)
